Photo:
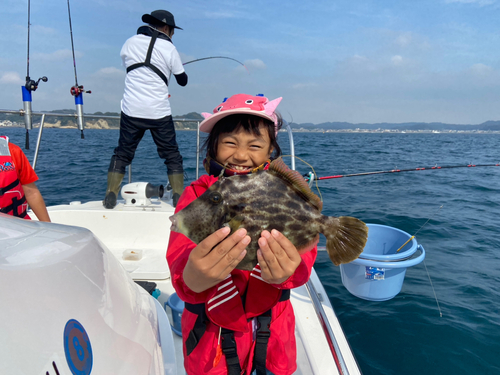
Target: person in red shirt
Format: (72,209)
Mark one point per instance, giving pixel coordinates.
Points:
(237,321)
(17,184)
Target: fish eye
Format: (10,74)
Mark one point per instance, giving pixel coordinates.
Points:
(216,198)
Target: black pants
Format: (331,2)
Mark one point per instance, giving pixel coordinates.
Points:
(132,130)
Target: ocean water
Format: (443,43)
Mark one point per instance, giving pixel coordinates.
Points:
(406,335)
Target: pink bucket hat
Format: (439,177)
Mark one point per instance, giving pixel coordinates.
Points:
(241,104)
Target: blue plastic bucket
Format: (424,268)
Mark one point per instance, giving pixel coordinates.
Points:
(379,272)
(177,306)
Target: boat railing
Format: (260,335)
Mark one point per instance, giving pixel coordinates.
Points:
(21,112)
(327,328)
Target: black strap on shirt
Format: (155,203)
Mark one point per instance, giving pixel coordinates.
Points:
(228,344)
(16,203)
(263,334)
(199,328)
(154,36)
(9,187)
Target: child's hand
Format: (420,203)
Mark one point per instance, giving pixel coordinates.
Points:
(212,260)
(277,256)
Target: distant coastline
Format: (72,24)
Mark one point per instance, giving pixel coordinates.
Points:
(190,122)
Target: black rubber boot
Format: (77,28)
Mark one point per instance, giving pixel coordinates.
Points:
(114,182)
(177,183)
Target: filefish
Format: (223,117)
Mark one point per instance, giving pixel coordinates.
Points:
(278,198)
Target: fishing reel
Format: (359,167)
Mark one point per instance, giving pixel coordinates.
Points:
(31,85)
(139,193)
(77,90)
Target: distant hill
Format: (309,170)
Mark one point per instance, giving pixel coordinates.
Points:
(92,120)
(412,126)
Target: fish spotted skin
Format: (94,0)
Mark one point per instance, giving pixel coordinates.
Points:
(275,199)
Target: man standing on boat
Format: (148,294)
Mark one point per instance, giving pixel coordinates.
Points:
(150,59)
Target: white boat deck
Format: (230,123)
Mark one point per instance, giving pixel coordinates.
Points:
(138,237)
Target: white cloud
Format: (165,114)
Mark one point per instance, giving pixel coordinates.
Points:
(255,64)
(221,14)
(404,39)
(478,2)
(359,59)
(481,69)
(43,30)
(409,41)
(300,86)
(109,72)
(59,55)
(397,60)
(11,77)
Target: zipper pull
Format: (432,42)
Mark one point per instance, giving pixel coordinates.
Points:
(218,352)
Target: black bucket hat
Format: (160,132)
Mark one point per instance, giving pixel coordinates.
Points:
(162,17)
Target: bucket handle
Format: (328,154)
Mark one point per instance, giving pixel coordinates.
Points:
(397,264)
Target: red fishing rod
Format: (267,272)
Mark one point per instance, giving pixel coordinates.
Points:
(403,170)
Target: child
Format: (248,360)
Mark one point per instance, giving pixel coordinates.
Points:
(17,184)
(237,321)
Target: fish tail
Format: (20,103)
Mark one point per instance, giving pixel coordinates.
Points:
(345,238)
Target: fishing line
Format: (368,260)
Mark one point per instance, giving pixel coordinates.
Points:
(432,286)
(314,172)
(27,138)
(72,45)
(29,86)
(408,170)
(28,58)
(217,57)
(77,90)
(412,237)
(426,270)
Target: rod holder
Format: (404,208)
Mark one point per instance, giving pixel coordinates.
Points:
(27,100)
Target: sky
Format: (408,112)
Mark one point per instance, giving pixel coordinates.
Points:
(363,61)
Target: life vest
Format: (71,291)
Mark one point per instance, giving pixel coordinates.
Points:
(154,35)
(224,304)
(12,199)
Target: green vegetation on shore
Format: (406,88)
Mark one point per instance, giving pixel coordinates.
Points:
(94,121)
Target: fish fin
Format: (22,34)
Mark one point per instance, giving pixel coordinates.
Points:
(235,223)
(308,247)
(345,238)
(296,181)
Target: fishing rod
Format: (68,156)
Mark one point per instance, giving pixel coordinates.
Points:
(77,90)
(308,176)
(30,85)
(217,57)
